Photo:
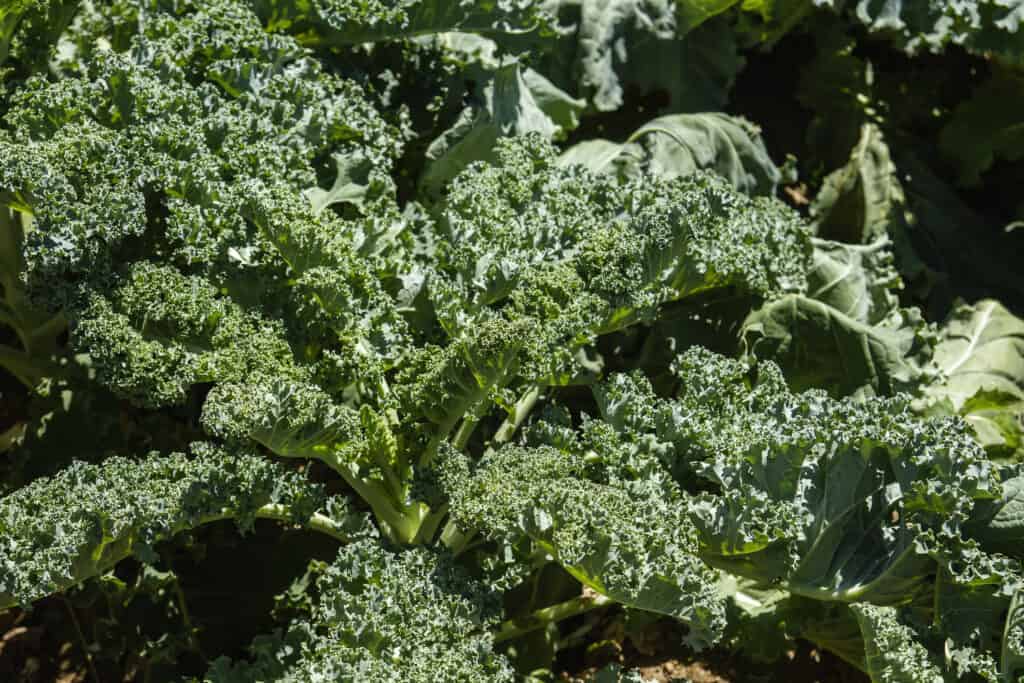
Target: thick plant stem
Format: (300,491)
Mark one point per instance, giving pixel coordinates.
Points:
(520,411)
(454,539)
(428,529)
(469,423)
(478,407)
(404,522)
(465,431)
(317,522)
(513,628)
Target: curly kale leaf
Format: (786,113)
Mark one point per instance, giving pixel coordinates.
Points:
(300,420)
(807,337)
(980,26)
(58,531)
(29,29)
(636,547)
(161,332)
(512,101)
(852,500)
(530,262)
(834,500)
(893,651)
(574,256)
(606,47)
(324,23)
(170,132)
(672,238)
(180,195)
(384,616)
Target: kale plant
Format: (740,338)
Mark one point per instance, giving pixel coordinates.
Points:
(506,311)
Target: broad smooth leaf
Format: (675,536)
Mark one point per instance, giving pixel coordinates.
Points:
(681,144)
(820,346)
(988,125)
(981,353)
(859,202)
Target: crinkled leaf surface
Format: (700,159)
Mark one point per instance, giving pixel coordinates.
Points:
(980,26)
(514,102)
(61,530)
(412,615)
(893,653)
(611,47)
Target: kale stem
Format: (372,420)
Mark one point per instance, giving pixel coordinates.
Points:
(466,429)
(81,639)
(513,628)
(317,522)
(454,539)
(403,524)
(470,422)
(283,513)
(519,414)
(430,523)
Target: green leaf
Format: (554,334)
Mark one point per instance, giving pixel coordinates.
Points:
(59,531)
(858,281)
(380,615)
(160,332)
(981,26)
(987,126)
(692,13)
(639,551)
(515,102)
(970,614)
(863,201)
(798,491)
(981,354)
(351,22)
(300,420)
(1012,660)
(679,145)
(606,22)
(774,18)
(662,47)
(893,651)
(350,183)
(31,27)
(820,346)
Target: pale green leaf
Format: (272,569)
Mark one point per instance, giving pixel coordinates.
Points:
(681,144)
